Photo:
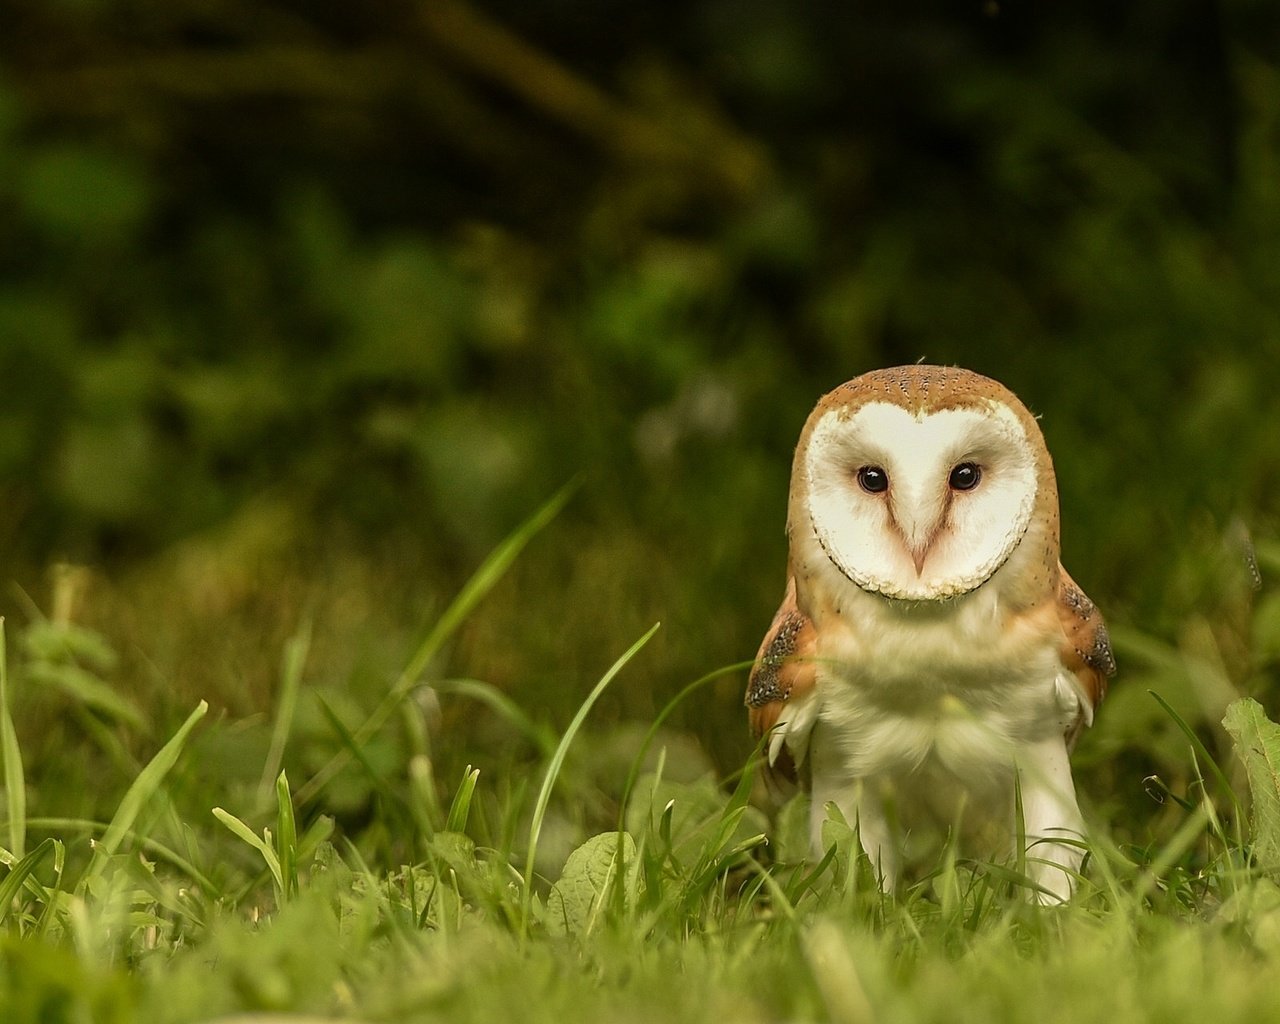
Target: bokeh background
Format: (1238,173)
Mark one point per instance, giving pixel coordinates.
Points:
(305,306)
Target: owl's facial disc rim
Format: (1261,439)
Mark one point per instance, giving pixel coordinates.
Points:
(924,448)
(870,586)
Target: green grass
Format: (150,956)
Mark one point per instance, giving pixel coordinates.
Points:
(589,877)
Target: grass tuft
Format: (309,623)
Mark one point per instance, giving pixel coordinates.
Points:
(548,887)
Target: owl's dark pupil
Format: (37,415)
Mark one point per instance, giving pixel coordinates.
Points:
(873,479)
(965,477)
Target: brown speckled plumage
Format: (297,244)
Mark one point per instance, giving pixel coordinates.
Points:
(767,681)
(1087,647)
(784,667)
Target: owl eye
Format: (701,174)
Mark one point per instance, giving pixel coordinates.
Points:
(873,479)
(965,477)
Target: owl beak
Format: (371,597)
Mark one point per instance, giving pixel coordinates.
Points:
(920,543)
(919,554)
(918,532)
(917,547)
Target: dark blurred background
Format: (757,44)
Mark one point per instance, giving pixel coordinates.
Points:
(304,306)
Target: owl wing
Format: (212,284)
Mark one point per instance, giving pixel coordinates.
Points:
(1085,652)
(780,689)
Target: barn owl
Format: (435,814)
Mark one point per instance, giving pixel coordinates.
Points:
(931,661)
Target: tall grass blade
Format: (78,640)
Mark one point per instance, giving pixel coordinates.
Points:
(295,658)
(1188,833)
(716,852)
(836,975)
(355,749)
(136,797)
(1020,827)
(482,581)
(504,706)
(15,783)
(424,801)
(1198,746)
(557,762)
(637,762)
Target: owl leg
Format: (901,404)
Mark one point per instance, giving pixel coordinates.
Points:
(1051,818)
(861,807)
(876,836)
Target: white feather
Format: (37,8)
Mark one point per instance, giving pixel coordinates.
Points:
(793,728)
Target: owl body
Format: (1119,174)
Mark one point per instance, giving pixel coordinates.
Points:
(931,658)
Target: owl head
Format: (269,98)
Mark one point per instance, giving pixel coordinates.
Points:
(919,483)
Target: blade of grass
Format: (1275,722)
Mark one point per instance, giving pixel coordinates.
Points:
(424,802)
(88,691)
(1198,746)
(481,582)
(637,763)
(51,896)
(460,809)
(317,832)
(146,843)
(356,750)
(716,851)
(286,837)
(1183,839)
(835,972)
(137,795)
(15,783)
(779,901)
(32,885)
(807,880)
(242,831)
(1020,827)
(18,875)
(553,771)
(491,696)
(295,657)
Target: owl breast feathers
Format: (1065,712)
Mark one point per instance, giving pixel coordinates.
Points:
(931,658)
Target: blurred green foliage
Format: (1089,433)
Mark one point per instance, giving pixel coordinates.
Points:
(303,307)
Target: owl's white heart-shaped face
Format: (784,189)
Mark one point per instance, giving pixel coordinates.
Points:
(919,506)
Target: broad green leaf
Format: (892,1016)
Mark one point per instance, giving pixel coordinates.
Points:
(577,898)
(1256,908)
(1257,741)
